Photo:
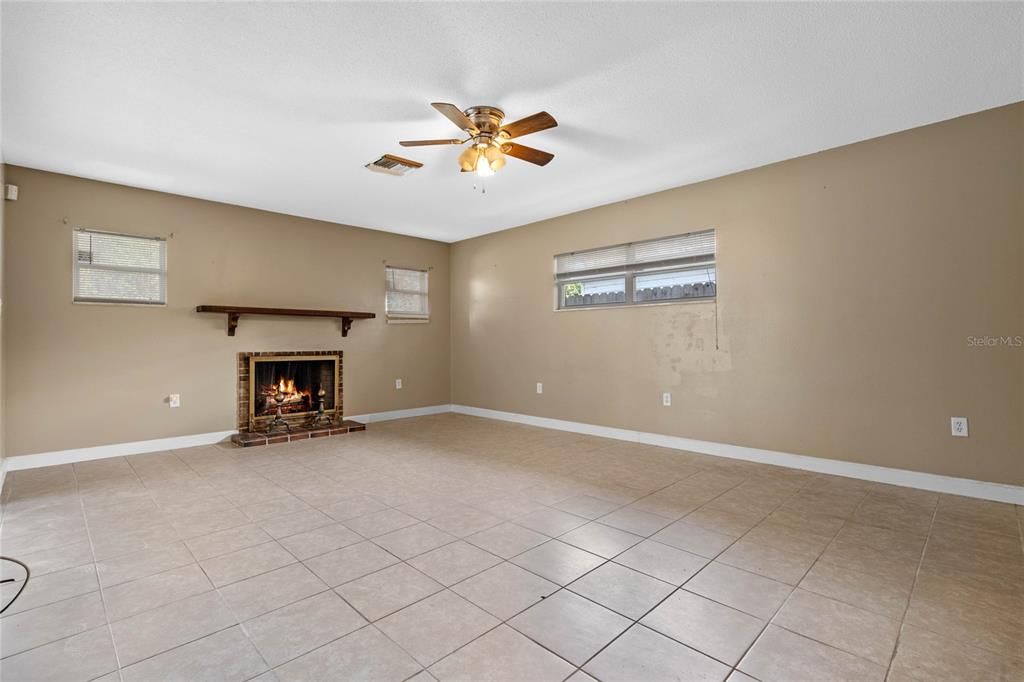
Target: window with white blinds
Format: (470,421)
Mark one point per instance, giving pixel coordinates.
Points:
(675,268)
(407,298)
(119,268)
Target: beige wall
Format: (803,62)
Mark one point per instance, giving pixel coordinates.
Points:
(83,375)
(849,282)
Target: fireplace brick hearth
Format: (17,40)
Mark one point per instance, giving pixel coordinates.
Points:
(254,415)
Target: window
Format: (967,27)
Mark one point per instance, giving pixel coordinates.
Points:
(676,268)
(119,268)
(407,298)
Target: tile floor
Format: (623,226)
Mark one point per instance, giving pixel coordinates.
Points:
(451,547)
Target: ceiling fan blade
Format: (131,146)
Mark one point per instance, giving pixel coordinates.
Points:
(455,115)
(527,153)
(424,143)
(531,124)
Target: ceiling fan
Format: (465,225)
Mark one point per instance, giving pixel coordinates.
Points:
(489,138)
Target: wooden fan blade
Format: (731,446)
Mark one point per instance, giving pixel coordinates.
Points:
(455,115)
(531,124)
(527,153)
(424,143)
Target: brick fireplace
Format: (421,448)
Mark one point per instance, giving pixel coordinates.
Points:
(295,381)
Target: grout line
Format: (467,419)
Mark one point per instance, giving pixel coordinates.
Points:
(913,586)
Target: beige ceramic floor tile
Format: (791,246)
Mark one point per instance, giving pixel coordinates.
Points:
(747,592)
(505,590)
(292,524)
(365,654)
(454,563)
(783,656)
(770,562)
(464,521)
(268,591)
(558,562)
(571,626)
(622,589)
(141,564)
(691,538)
(413,540)
(840,625)
(245,563)
(349,563)
(379,523)
(506,540)
(85,656)
(551,522)
(712,628)
(643,654)
(226,655)
(601,540)
(169,626)
(924,655)
(635,521)
(48,588)
(662,561)
(382,593)
(863,590)
(319,541)
(27,630)
(433,628)
(295,629)
(502,655)
(128,599)
(227,541)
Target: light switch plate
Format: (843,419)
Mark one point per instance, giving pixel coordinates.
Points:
(398,383)
(540,388)
(959,426)
(174,400)
(666,399)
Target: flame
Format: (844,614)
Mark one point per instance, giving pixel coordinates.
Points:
(286,387)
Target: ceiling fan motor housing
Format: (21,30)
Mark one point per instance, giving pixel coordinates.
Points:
(487,120)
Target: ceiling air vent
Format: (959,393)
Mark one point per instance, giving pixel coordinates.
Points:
(394,165)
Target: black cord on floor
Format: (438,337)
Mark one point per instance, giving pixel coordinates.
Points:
(23,585)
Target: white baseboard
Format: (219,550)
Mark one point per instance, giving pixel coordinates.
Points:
(45,459)
(998,492)
(400,414)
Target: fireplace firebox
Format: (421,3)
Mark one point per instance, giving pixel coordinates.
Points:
(294,381)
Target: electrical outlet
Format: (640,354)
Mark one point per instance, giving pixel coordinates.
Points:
(959,426)
(174,400)
(540,388)
(666,399)
(398,384)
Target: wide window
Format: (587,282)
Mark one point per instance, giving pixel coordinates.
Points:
(407,298)
(119,268)
(678,268)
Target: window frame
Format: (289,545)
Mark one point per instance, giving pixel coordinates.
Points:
(163,271)
(630,271)
(407,318)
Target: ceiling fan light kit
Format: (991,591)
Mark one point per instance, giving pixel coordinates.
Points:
(489,139)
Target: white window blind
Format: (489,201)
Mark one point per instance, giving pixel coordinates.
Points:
(407,295)
(119,268)
(653,271)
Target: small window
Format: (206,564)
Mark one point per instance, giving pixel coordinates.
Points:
(119,268)
(679,268)
(407,298)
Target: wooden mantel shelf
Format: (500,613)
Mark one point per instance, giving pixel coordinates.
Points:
(234,312)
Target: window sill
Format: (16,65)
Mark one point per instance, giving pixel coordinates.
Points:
(627,306)
(409,321)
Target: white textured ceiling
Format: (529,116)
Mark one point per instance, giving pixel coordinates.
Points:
(278,106)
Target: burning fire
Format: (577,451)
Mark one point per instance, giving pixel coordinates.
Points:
(287,387)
